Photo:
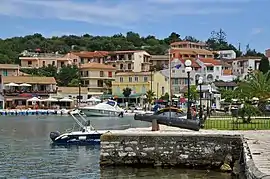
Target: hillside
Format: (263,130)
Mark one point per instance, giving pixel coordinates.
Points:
(11,48)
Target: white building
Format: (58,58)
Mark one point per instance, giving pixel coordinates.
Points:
(241,66)
(226,54)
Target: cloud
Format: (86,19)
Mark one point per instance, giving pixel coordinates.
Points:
(112,13)
(256,31)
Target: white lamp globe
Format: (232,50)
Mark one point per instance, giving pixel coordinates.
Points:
(188,63)
(200,78)
(200,81)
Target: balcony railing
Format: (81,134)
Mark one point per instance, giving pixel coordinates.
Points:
(20,92)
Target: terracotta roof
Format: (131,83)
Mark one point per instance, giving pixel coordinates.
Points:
(85,54)
(243,59)
(210,61)
(224,84)
(193,64)
(125,51)
(193,51)
(72,90)
(133,74)
(188,42)
(94,65)
(29,79)
(9,66)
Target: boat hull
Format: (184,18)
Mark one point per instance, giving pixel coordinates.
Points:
(173,121)
(100,113)
(75,139)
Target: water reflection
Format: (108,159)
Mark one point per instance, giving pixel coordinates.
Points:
(26,152)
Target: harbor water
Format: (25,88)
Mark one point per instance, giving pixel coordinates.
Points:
(26,153)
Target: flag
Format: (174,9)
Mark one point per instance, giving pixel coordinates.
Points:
(177,66)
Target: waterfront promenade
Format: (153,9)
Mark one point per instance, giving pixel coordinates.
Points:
(208,143)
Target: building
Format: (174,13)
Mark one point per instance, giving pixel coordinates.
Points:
(2,99)
(160,84)
(73,93)
(188,50)
(9,70)
(17,89)
(83,57)
(226,54)
(129,61)
(138,82)
(179,78)
(160,61)
(222,85)
(242,65)
(267,53)
(97,77)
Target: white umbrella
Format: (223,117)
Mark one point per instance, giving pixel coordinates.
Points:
(255,99)
(50,99)
(33,99)
(24,84)
(93,100)
(66,100)
(11,84)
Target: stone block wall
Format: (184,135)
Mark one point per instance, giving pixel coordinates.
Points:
(183,150)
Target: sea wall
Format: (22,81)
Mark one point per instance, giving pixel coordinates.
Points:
(168,149)
(251,171)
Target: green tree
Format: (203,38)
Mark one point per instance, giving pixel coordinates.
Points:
(67,74)
(194,95)
(127,92)
(264,65)
(108,84)
(166,96)
(150,96)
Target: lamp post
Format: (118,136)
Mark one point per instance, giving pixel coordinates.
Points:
(188,69)
(79,100)
(200,82)
(209,107)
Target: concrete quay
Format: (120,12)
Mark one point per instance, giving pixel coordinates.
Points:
(179,147)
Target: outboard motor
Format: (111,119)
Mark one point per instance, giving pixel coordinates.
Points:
(54,135)
(121,114)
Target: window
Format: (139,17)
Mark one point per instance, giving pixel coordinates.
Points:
(176,81)
(136,79)
(121,79)
(109,74)
(217,68)
(121,66)
(173,71)
(101,73)
(129,79)
(5,73)
(99,83)
(62,64)
(166,79)
(74,60)
(129,66)
(162,90)
(43,63)
(145,79)
(29,63)
(53,63)
(86,82)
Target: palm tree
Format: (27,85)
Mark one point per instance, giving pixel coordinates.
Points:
(108,84)
(150,97)
(257,84)
(127,92)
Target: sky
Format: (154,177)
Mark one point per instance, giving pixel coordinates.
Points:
(244,21)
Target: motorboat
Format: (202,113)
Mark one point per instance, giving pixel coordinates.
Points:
(171,117)
(108,108)
(86,135)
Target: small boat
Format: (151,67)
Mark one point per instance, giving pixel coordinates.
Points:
(108,108)
(87,135)
(171,117)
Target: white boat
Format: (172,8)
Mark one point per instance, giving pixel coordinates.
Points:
(87,135)
(108,108)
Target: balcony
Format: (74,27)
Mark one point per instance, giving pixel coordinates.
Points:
(26,93)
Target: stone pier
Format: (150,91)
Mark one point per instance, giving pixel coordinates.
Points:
(183,148)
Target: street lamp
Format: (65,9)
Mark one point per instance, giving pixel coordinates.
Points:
(188,69)
(200,82)
(209,107)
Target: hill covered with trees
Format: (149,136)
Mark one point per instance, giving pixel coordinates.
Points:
(11,48)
